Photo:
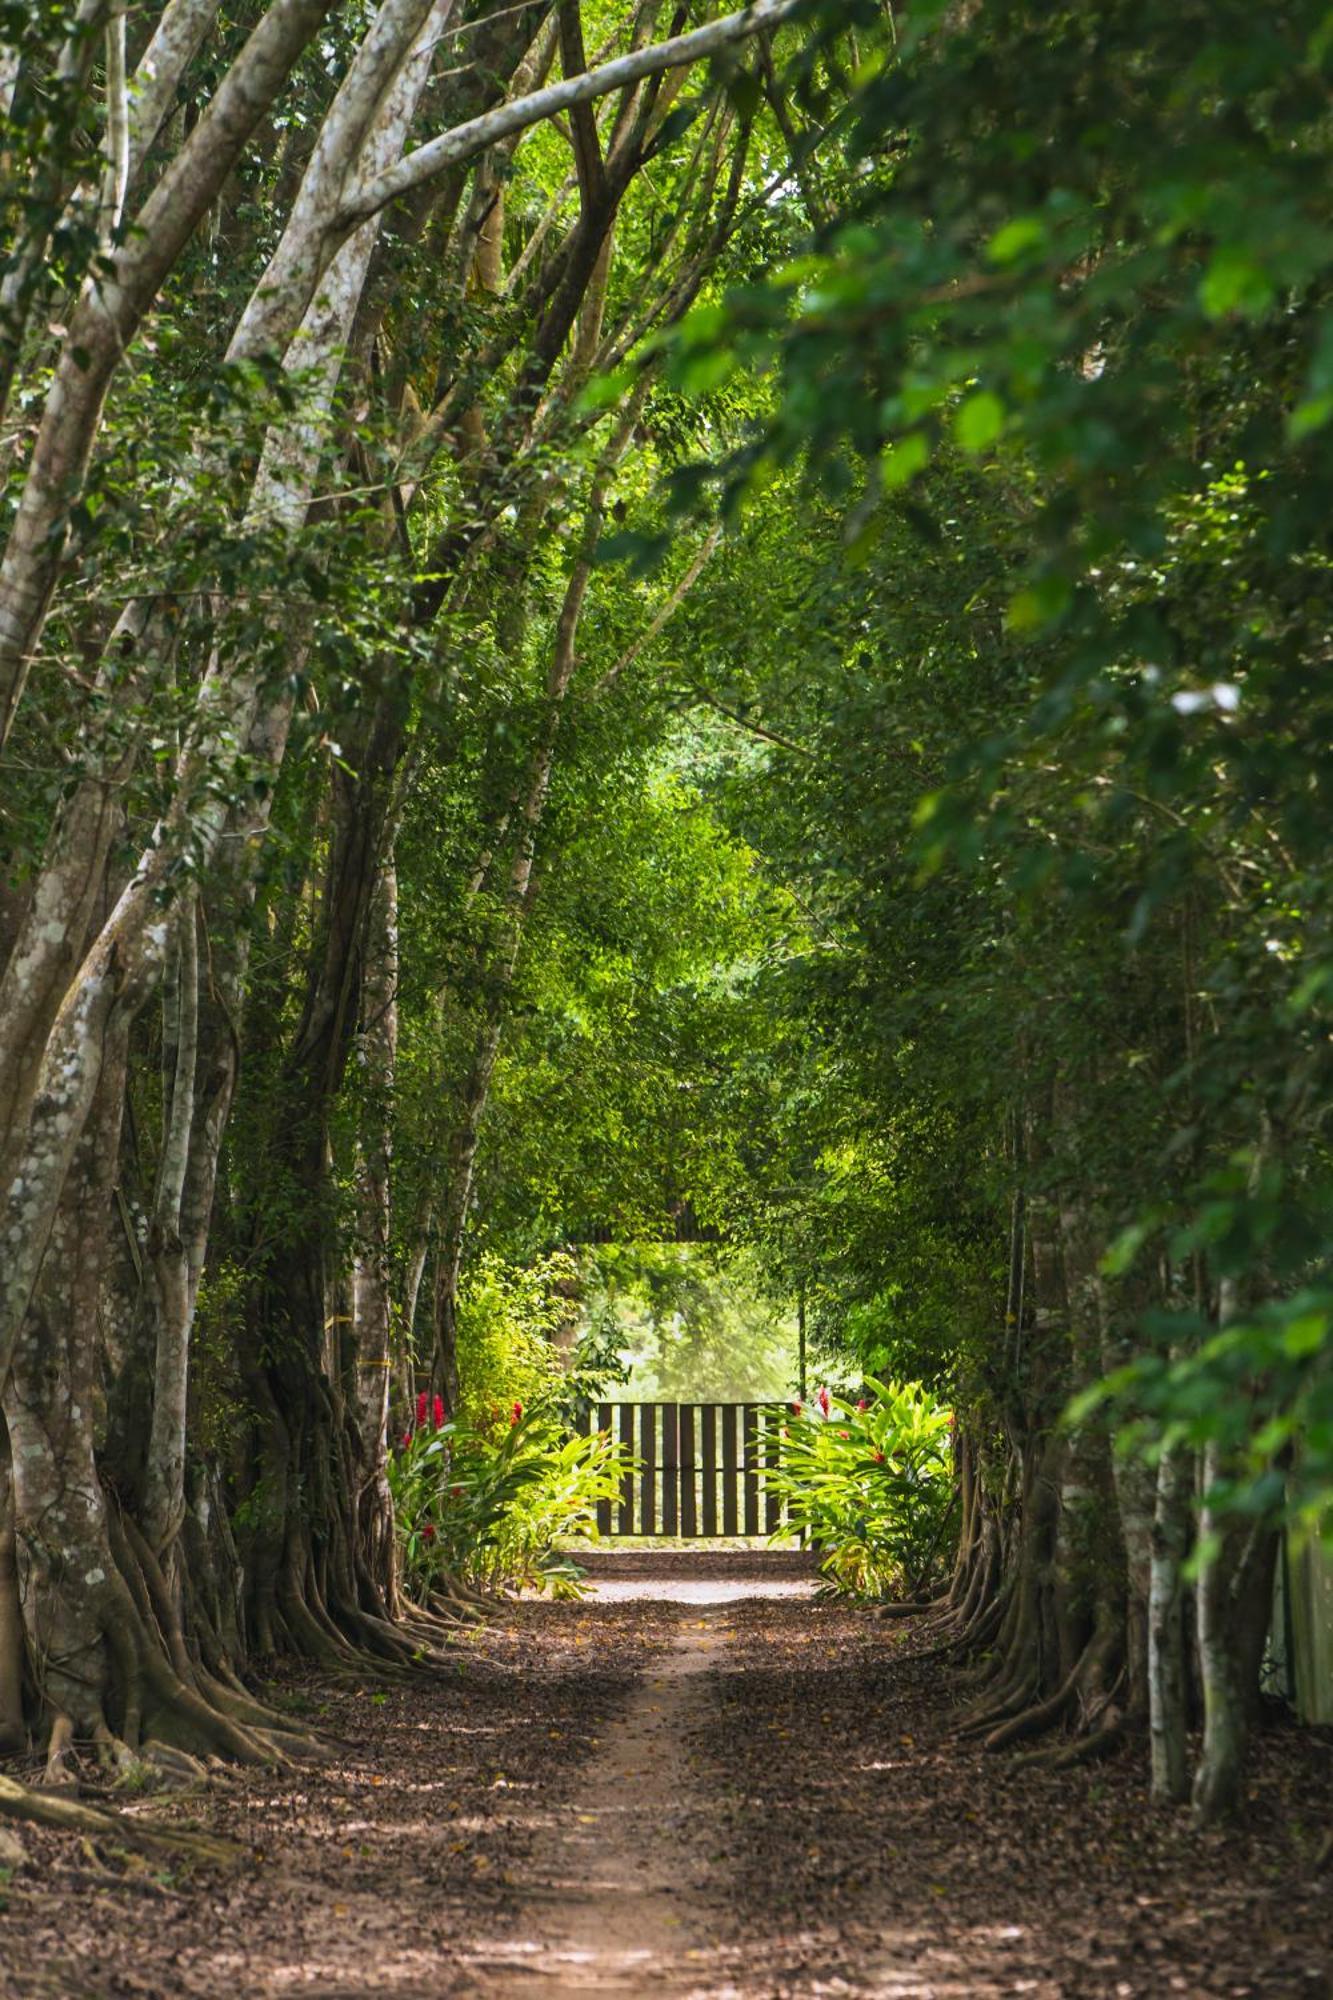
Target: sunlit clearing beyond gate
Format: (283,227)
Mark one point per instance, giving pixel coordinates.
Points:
(702,1468)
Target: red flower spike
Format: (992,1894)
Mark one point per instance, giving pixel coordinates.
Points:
(825,1401)
(407,1439)
(428,1532)
(861,1403)
(439,1412)
(421,1411)
(879,1458)
(516,1413)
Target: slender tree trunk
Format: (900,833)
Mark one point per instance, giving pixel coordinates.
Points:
(1217,1778)
(163,1506)
(1167,1714)
(371,1285)
(12,1733)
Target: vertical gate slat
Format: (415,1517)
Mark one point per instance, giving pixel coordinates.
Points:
(670,1470)
(603,1506)
(750,1462)
(730,1514)
(689,1506)
(772,1459)
(708,1453)
(648,1453)
(625,1525)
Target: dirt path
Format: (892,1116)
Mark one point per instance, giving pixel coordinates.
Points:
(612,1892)
(699,1792)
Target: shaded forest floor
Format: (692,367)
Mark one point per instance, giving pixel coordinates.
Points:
(721,1795)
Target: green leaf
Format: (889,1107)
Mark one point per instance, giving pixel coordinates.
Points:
(979,421)
(700,370)
(1233,282)
(606,390)
(900,464)
(1038,605)
(1017,239)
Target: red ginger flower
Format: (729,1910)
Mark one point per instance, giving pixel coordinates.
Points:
(421,1411)
(407,1439)
(861,1403)
(439,1412)
(516,1413)
(825,1401)
(428,1532)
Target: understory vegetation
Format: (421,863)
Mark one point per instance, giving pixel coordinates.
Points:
(506,1514)
(632,635)
(869,1485)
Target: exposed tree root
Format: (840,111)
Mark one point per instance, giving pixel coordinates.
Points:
(59,1752)
(265,1722)
(1091,1685)
(1011,1699)
(72,1816)
(1108,1736)
(1018,1722)
(977,1629)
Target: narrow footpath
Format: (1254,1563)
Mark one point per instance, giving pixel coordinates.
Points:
(702,1783)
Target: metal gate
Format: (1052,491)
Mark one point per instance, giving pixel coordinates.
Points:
(702,1468)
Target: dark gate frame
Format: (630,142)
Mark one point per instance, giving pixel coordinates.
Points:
(702,1468)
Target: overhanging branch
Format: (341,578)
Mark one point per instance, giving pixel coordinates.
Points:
(451,148)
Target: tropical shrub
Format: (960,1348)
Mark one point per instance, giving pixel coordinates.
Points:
(499,1514)
(870,1485)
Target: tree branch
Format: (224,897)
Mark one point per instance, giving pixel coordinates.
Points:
(473,137)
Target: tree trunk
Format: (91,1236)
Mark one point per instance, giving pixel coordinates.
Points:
(1217,1778)
(13,1735)
(371,1281)
(169,1258)
(1167,1715)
